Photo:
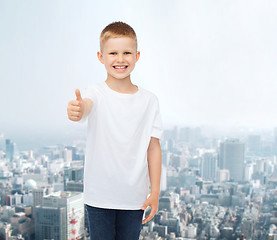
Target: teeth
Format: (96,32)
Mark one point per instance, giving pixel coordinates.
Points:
(121,67)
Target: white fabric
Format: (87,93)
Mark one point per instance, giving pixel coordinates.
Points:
(119,130)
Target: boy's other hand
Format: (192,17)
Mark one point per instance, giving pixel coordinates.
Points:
(75,108)
(153,202)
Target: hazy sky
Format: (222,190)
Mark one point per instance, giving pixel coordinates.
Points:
(209,62)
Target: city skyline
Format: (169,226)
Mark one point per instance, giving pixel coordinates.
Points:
(202,196)
(26,141)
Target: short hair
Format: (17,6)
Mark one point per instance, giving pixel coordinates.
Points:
(116,30)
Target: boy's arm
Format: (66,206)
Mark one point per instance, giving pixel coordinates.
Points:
(79,108)
(154,158)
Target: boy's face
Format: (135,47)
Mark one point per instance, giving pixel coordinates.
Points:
(119,56)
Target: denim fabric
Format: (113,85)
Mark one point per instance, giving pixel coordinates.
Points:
(114,224)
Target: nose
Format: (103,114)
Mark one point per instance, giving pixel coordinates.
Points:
(120,57)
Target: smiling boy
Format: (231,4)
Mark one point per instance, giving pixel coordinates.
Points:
(123,150)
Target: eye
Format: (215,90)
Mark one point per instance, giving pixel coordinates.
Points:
(127,53)
(112,53)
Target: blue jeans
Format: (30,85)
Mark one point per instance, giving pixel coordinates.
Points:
(114,224)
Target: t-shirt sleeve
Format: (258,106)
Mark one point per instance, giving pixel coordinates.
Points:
(157,128)
(90,93)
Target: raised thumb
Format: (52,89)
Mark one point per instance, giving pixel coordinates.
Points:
(78,94)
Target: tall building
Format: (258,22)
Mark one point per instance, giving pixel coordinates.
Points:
(208,166)
(67,155)
(50,223)
(254,144)
(60,217)
(75,174)
(232,158)
(9,149)
(184,134)
(248,171)
(39,194)
(73,150)
(163,184)
(275,141)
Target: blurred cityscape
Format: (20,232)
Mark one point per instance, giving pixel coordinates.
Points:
(214,185)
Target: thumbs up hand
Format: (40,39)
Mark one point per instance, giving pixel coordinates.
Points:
(75,108)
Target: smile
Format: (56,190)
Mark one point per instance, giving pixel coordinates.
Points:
(120,68)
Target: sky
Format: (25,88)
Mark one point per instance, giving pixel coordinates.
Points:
(210,62)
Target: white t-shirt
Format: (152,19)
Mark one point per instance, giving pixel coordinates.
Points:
(120,126)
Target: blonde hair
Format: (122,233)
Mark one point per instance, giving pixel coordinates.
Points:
(116,30)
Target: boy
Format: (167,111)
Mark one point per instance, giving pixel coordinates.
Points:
(123,148)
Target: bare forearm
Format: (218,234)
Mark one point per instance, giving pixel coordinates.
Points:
(154,157)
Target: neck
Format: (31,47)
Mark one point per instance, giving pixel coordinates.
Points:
(120,84)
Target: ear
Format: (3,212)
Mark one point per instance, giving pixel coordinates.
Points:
(100,57)
(137,55)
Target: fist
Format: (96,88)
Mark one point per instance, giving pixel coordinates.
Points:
(75,108)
